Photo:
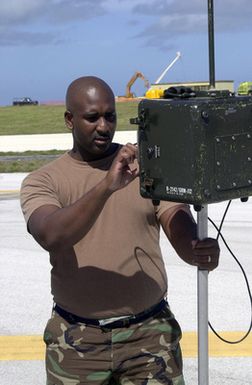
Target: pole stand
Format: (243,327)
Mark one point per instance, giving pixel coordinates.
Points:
(202,287)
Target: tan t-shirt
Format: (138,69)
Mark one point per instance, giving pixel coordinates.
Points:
(117,268)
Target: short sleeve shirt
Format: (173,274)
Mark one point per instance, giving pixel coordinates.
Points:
(117,268)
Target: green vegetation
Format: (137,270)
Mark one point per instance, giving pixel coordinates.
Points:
(22,120)
(22,165)
(17,120)
(30,153)
(45,119)
(125,111)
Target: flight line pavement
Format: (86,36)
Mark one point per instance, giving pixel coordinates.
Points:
(25,284)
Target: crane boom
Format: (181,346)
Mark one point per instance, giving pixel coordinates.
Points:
(168,67)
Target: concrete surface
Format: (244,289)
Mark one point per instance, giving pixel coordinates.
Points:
(52,141)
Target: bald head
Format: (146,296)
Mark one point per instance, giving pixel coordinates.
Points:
(85,87)
(91,116)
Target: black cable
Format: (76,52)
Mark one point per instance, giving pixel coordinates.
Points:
(222,221)
(243,272)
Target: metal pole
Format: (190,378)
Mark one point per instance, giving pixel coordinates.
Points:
(203,361)
(211,44)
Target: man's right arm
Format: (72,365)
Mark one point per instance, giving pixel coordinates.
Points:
(54,227)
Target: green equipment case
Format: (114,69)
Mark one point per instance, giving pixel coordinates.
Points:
(196,150)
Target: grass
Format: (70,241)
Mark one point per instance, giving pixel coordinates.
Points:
(45,119)
(22,120)
(22,165)
(17,120)
(29,153)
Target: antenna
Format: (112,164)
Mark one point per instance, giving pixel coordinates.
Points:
(202,230)
(211,44)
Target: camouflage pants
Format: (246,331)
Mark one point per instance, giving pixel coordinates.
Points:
(147,353)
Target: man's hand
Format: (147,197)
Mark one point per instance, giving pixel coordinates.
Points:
(205,254)
(120,173)
(181,230)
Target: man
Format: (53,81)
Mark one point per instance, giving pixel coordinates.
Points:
(110,323)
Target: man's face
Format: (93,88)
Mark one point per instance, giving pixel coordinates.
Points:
(93,123)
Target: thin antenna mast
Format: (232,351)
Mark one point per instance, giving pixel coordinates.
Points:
(202,228)
(211,44)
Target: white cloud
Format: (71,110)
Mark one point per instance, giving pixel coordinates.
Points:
(153,18)
(23,11)
(179,24)
(40,21)
(115,5)
(17,37)
(173,18)
(19,10)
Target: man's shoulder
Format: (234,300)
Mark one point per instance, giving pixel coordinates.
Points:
(58,162)
(51,168)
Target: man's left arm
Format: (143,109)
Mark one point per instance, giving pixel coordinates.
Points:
(181,230)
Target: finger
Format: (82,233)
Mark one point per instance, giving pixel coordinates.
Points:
(206,247)
(128,153)
(135,172)
(132,147)
(206,252)
(208,262)
(206,242)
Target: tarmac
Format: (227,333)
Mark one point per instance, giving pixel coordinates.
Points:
(25,299)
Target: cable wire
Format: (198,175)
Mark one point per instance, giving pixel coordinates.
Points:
(222,221)
(244,275)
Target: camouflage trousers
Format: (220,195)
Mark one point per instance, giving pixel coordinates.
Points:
(147,353)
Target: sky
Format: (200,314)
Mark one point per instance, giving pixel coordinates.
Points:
(45,44)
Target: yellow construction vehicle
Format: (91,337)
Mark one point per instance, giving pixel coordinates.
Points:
(128,93)
(245,88)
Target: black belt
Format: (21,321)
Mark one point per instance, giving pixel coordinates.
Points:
(124,322)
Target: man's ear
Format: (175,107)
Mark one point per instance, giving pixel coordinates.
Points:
(68,119)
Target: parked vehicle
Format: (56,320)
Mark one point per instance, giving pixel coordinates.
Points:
(24,101)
